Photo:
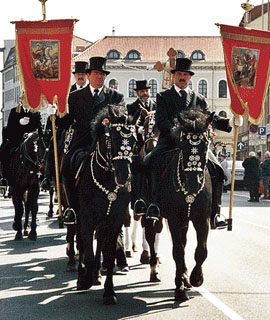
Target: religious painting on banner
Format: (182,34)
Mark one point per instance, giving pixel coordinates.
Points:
(43,53)
(247,57)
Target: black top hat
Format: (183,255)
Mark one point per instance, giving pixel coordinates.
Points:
(183,64)
(141,85)
(80,67)
(99,64)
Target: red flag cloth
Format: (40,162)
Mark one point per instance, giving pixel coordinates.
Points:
(247,56)
(43,53)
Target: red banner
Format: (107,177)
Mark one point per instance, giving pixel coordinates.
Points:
(43,53)
(247,56)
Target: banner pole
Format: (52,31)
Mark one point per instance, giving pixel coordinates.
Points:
(52,117)
(236,128)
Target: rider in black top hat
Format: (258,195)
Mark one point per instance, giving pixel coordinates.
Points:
(169,103)
(80,83)
(84,105)
(143,101)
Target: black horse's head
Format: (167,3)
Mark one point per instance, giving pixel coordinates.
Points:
(114,136)
(192,132)
(32,153)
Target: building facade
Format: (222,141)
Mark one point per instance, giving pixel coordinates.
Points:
(134,58)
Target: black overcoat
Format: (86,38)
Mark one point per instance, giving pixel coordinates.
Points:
(83,109)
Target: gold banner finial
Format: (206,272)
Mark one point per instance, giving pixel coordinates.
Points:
(247,7)
(43,9)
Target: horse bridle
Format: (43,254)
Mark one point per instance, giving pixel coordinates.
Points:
(125,154)
(25,154)
(194,165)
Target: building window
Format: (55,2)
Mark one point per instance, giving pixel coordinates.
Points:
(131,88)
(190,84)
(153,89)
(197,55)
(203,88)
(113,84)
(222,89)
(9,95)
(223,114)
(113,55)
(180,54)
(133,55)
(17,94)
(8,75)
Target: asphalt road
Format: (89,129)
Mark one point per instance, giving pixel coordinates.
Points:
(34,283)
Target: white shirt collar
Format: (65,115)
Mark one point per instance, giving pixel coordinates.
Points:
(178,89)
(93,89)
(79,88)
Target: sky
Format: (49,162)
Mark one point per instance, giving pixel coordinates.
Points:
(129,18)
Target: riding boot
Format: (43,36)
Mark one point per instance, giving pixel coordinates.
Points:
(48,171)
(69,216)
(140,206)
(215,221)
(153,211)
(138,184)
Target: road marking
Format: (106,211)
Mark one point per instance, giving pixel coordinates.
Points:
(46,301)
(219,304)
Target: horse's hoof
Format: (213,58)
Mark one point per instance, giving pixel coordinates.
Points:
(110,300)
(196,278)
(16,226)
(187,284)
(50,214)
(180,295)
(145,258)
(134,248)
(71,267)
(128,254)
(97,279)
(25,233)
(84,282)
(32,236)
(155,277)
(18,236)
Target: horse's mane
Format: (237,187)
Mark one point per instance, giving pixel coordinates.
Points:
(119,113)
(193,121)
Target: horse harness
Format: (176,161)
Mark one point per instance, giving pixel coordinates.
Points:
(105,162)
(25,156)
(193,165)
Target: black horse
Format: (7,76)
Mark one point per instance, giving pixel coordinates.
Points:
(26,169)
(185,194)
(104,193)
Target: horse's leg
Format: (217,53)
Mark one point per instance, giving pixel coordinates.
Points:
(134,234)
(145,256)
(97,264)
(178,233)
(127,235)
(50,212)
(27,210)
(150,234)
(70,250)
(33,204)
(158,229)
(202,229)
(17,199)
(109,254)
(85,274)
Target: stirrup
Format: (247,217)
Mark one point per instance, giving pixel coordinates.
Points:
(153,212)
(220,224)
(140,207)
(69,216)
